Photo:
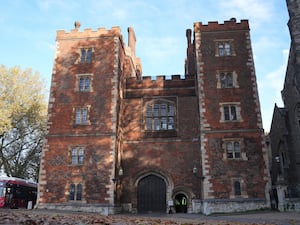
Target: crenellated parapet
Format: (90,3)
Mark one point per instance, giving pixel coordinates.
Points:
(160,86)
(227,25)
(88,33)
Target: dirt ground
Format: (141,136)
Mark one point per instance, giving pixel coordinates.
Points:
(49,217)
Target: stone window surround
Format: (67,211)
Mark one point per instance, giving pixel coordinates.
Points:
(78,76)
(75,194)
(242,187)
(77,148)
(160,100)
(78,60)
(230,42)
(88,122)
(234,76)
(243,155)
(237,109)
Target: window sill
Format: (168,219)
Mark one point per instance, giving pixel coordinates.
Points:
(81,124)
(160,134)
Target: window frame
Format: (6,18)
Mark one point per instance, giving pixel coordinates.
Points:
(233,149)
(81,116)
(77,155)
(84,76)
(221,85)
(238,191)
(237,154)
(237,188)
(162,118)
(75,192)
(227,48)
(230,112)
(84,58)
(226,80)
(168,128)
(86,55)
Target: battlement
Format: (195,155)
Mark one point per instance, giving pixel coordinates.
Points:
(227,25)
(88,33)
(160,86)
(158,79)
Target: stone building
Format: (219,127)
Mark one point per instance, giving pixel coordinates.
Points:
(285,128)
(119,141)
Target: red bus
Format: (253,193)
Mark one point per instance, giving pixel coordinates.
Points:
(17,193)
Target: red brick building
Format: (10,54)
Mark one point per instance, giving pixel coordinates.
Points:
(120,141)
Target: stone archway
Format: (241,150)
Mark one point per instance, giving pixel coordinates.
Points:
(151,194)
(181,203)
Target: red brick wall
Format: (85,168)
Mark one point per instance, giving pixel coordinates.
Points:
(220,172)
(98,138)
(173,157)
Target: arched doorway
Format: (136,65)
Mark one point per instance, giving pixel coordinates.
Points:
(180,203)
(151,194)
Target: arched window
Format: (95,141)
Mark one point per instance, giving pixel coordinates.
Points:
(159,115)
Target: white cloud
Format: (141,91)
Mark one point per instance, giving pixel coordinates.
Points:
(270,87)
(257,11)
(274,79)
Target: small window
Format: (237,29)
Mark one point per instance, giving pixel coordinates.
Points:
(227,48)
(77,155)
(226,80)
(233,150)
(81,116)
(79,192)
(75,192)
(237,188)
(86,55)
(229,113)
(72,192)
(224,48)
(84,83)
(159,115)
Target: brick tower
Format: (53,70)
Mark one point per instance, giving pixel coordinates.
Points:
(78,161)
(120,141)
(233,153)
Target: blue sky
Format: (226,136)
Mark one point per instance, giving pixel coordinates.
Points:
(28,30)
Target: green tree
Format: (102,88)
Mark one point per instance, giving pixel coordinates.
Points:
(22,121)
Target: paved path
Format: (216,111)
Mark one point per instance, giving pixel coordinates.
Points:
(281,218)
